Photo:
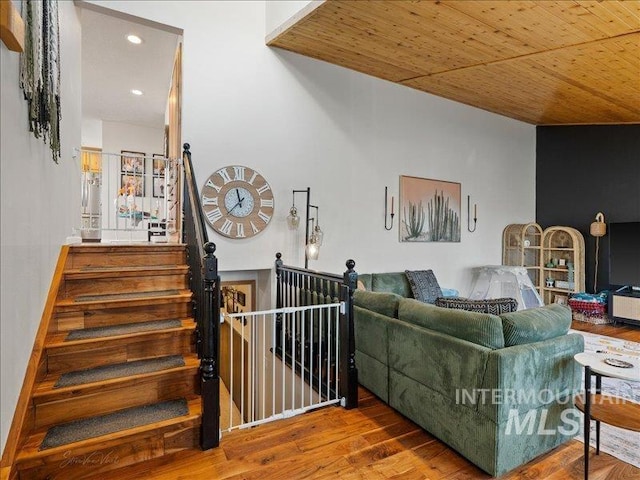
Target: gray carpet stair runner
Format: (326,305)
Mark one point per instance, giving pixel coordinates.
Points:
(114,422)
(119,370)
(123,329)
(124,296)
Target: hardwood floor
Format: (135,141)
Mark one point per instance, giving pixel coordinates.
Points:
(627,332)
(371,442)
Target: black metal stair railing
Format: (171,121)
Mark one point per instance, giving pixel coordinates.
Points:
(298,287)
(205,285)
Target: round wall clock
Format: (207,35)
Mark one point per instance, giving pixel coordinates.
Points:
(237,202)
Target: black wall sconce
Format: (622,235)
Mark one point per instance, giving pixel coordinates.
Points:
(313,239)
(386,198)
(475,215)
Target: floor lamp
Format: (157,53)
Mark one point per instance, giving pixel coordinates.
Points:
(598,229)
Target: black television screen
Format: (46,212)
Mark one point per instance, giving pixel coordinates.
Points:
(624,254)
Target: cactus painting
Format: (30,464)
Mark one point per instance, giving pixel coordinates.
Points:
(430,210)
(415,220)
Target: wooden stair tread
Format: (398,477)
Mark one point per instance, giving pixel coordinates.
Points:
(30,452)
(57,339)
(111,271)
(120,247)
(69,303)
(96,343)
(45,391)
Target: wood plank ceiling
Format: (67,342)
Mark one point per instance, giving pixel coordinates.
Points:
(542,62)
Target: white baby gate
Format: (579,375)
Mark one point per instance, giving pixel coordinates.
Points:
(268,379)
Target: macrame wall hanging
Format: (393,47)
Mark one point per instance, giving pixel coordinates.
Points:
(40,70)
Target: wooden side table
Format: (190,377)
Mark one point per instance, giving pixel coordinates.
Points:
(610,409)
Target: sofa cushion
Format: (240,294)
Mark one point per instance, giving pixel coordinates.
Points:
(379,302)
(495,306)
(424,285)
(479,328)
(394,282)
(535,324)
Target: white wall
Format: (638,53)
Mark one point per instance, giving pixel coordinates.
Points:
(278,12)
(118,136)
(40,203)
(92,132)
(301,122)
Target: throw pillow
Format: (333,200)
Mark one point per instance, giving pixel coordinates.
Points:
(494,306)
(424,285)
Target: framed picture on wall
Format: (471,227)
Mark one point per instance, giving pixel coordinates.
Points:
(159,164)
(429,210)
(131,162)
(242,298)
(132,184)
(236,294)
(158,187)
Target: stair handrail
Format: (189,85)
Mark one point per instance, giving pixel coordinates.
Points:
(205,285)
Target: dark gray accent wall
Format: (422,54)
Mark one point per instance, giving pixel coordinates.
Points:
(583,170)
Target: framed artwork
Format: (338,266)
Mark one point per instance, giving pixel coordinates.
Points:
(131,162)
(237,294)
(242,298)
(158,187)
(429,210)
(159,164)
(132,184)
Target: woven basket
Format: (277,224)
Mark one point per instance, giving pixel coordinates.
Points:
(594,319)
(590,312)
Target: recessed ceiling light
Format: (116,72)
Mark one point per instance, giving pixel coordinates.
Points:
(136,92)
(134,39)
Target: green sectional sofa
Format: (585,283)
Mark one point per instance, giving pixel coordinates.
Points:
(496,389)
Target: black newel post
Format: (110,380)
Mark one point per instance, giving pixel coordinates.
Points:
(209,378)
(348,370)
(279,304)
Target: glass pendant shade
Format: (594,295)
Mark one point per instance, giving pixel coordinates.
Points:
(312,249)
(293,220)
(319,235)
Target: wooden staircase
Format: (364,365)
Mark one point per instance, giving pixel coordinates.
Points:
(100,287)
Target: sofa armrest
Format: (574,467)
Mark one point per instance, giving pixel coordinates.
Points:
(370,331)
(383,303)
(528,376)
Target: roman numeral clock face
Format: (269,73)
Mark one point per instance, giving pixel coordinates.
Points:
(237,202)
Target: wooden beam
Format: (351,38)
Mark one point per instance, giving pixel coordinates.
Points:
(11,26)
